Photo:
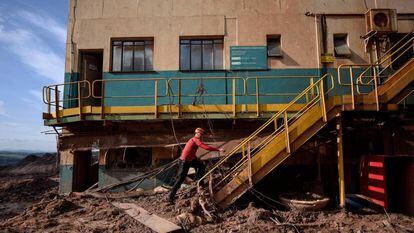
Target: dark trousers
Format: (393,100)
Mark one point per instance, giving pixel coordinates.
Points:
(183,168)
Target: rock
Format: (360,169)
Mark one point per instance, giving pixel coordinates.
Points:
(189,220)
(160,189)
(259,214)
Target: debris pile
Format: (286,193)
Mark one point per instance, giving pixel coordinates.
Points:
(31,203)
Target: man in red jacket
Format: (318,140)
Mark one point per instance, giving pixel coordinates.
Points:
(189,159)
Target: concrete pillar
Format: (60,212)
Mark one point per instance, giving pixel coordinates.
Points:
(66,163)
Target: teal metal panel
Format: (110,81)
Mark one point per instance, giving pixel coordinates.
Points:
(248,58)
(269,82)
(345,79)
(66,178)
(70,91)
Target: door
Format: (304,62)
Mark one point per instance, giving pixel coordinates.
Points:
(91,70)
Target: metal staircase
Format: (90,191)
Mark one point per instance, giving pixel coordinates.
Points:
(251,162)
(290,128)
(384,82)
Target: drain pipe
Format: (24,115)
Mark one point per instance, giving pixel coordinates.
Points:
(318,52)
(324,42)
(72,43)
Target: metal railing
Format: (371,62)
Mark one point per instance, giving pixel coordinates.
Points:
(271,129)
(103,83)
(51,95)
(173,88)
(257,86)
(202,91)
(375,75)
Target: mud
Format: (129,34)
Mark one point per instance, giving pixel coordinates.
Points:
(32,204)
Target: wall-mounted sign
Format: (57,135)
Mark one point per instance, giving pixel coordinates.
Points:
(248,58)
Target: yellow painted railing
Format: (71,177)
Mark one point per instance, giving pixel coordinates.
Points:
(243,152)
(101,83)
(171,88)
(374,75)
(257,85)
(202,92)
(53,95)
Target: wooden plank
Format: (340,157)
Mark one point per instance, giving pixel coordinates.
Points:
(150,220)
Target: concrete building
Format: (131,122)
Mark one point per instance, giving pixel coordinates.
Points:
(141,75)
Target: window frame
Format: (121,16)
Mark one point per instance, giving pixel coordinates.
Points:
(201,39)
(270,37)
(342,36)
(145,41)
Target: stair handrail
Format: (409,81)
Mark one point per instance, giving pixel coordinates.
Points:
(373,81)
(382,60)
(360,80)
(392,47)
(242,145)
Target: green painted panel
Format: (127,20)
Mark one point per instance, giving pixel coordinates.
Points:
(248,58)
(209,88)
(70,91)
(66,178)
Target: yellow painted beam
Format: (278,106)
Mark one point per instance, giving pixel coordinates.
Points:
(229,108)
(340,153)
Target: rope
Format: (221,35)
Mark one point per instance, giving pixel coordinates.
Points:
(147,175)
(171,116)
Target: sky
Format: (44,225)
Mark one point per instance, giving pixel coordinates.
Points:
(32,55)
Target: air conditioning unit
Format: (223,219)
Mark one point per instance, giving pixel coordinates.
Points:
(381,20)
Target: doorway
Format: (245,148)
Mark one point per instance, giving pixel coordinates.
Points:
(91,70)
(85,170)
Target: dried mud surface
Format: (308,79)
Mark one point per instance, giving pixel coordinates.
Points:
(31,203)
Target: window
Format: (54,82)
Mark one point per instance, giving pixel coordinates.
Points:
(132,55)
(198,54)
(341,48)
(274,48)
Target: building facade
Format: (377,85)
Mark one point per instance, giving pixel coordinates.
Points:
(141,75)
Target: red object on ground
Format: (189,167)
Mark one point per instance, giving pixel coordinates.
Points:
(388,181)
(190,149)
(374,186)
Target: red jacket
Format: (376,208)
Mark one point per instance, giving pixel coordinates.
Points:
(190,149)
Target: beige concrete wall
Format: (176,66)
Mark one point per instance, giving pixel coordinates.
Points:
(240,22)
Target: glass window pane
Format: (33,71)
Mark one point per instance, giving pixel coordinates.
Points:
(195,56)
(139,58)
(116,57)
(218,41)
(127,56)
(207,56)
(218,56)
(196,42)
(184,41)
(185,57)
(148,56)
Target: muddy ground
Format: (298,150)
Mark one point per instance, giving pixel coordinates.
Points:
(31,203)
